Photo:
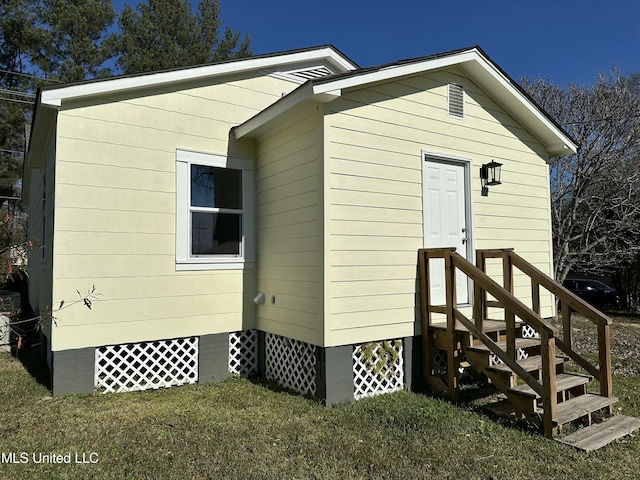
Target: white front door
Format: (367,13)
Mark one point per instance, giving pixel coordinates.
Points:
(444,202)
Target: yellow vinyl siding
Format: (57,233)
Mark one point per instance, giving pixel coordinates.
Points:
(289,230)
(375,137)
(115,221)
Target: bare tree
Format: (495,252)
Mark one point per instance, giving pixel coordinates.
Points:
(595,196)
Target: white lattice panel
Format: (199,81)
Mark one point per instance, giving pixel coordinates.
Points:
(291,363)
(243,352)
(522,354)
(529,332)
(439,361)
(371,377)
(146,365)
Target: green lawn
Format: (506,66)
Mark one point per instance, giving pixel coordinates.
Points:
(239,429)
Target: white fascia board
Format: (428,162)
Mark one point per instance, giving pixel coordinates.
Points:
(486,75)
(306,92)
(285,104)
(395,71)
(55,97)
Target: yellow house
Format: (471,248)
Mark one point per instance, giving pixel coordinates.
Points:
(263,215)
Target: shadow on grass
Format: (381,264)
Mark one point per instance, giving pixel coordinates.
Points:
(275,387)
(33,361)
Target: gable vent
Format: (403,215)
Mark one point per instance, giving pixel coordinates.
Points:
(456,100)
(304,74)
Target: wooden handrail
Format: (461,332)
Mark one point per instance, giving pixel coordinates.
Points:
(504,298)
(546,389)
(497,291)
(569,301)
(566,296)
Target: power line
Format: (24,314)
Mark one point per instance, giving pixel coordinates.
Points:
(15,92)
(30,76)
(15,100)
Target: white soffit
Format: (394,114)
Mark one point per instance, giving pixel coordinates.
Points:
(55,96)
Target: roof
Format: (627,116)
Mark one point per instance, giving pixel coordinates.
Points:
(54,95)
(473,61)
(49,99)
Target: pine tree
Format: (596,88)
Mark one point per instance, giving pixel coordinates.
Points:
(74,42)
(163,34)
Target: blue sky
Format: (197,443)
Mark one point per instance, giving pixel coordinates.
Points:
(564,40)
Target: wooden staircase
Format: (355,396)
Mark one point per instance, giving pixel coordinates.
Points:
(522,355)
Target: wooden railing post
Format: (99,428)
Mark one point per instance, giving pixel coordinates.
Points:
(549,397)
(604,356)
(451,304)
(425,313)
(509,317)
(535,296)
(567,337)
(479,295)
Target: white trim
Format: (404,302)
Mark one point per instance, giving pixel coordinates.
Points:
(184,261)
(445,156)
(194,266)
(55,96)
(394,71)
(467,163)
(298,96)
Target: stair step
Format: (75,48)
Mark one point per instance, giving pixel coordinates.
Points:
(600,434)
(580,406)
(564,381)
(530,364)
(520,343)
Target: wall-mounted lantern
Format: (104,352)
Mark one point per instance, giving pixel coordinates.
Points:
(489,175)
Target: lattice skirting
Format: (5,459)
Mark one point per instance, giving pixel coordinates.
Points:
(146,365)
(440,363)
(243,352)
(291,363)
(378,368)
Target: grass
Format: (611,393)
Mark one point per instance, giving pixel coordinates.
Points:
(239,429)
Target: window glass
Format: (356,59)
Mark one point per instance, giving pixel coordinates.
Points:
(216,187)
(216,233)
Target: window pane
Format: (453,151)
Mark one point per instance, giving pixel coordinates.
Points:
(216,187)
(216,233)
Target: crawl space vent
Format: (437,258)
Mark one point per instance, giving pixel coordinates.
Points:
(456,101)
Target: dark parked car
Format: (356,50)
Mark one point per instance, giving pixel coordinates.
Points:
(594,292)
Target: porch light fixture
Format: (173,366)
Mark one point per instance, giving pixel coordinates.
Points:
(489,175)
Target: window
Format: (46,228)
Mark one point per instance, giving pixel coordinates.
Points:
(214,211)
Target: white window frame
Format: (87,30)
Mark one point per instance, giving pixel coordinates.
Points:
(184,259)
